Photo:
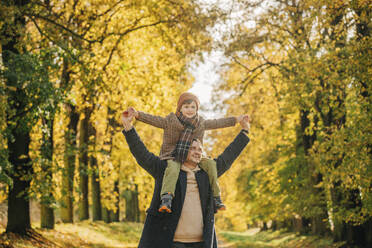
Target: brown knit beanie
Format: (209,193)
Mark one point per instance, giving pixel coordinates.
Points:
(187,96)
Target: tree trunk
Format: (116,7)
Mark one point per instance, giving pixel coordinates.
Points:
(282,224)
(46,216)
(106,215)
(306,142)
(116,214)
(95,183)
(319,225)
(339,230)
(18,200)
(355,234)
(274,225)
(83,166)
(112,215)
(67,205)
(96,192)
(111,129)
(264,227)
(367,226)
(18,142)
(336,118)
(47,198)
(132,212)
(364,29)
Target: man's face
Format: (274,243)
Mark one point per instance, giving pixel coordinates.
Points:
(188,109)
(195,152)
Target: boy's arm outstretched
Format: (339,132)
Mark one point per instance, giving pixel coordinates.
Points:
(222,122)
(153,120)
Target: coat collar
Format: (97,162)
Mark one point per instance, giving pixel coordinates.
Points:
(183,184)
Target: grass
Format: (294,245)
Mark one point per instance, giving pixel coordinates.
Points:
(269,239)
(82,234)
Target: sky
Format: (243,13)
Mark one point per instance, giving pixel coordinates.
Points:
(206,74)
(206,77)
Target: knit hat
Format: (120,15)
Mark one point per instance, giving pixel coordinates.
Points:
(187,96)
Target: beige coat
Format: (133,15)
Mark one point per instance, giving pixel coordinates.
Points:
(173,129)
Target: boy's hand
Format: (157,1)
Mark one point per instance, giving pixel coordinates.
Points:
(245,122)
(240,118)
(126,119)
(132,112)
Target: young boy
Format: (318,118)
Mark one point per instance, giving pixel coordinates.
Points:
(179,131)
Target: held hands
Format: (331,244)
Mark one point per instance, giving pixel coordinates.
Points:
(133,112)
(245,122)
(241,117)
(126,119)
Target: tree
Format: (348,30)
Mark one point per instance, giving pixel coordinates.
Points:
(304,48)
(110,55)
(27,90)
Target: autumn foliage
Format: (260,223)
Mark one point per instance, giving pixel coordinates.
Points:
(300,69)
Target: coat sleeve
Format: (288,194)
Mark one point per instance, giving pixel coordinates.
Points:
(219,123)
(147,160)
(232,151)
(153,120)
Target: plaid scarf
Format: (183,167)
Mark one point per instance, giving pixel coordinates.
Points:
(184,142)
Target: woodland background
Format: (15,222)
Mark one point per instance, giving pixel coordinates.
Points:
(301,69)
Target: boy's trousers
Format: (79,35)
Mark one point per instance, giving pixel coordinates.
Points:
(173,170)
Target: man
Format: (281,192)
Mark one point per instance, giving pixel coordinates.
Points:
(191,222)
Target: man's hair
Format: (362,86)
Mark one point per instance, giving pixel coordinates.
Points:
(198,140)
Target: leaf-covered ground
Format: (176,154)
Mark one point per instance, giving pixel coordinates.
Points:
(80,235)
(125,234)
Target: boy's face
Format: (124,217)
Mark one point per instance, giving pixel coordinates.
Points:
(188,109)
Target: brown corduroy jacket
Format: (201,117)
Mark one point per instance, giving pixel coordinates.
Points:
(173,129)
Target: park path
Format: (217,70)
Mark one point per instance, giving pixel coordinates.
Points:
(223,244)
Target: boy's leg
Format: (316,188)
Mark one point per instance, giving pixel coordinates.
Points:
(168,186)
(170,177)
(209,166)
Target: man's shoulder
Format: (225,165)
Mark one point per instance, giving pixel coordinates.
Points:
(162,165)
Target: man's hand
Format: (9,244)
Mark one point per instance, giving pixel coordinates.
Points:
(132,112)
(240,118)
(244,122)
(126,119)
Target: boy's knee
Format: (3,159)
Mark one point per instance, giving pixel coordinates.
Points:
(173,163)
(208,162)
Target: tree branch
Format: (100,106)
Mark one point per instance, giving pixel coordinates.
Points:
(121,35)
(63,27)
(60,46)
